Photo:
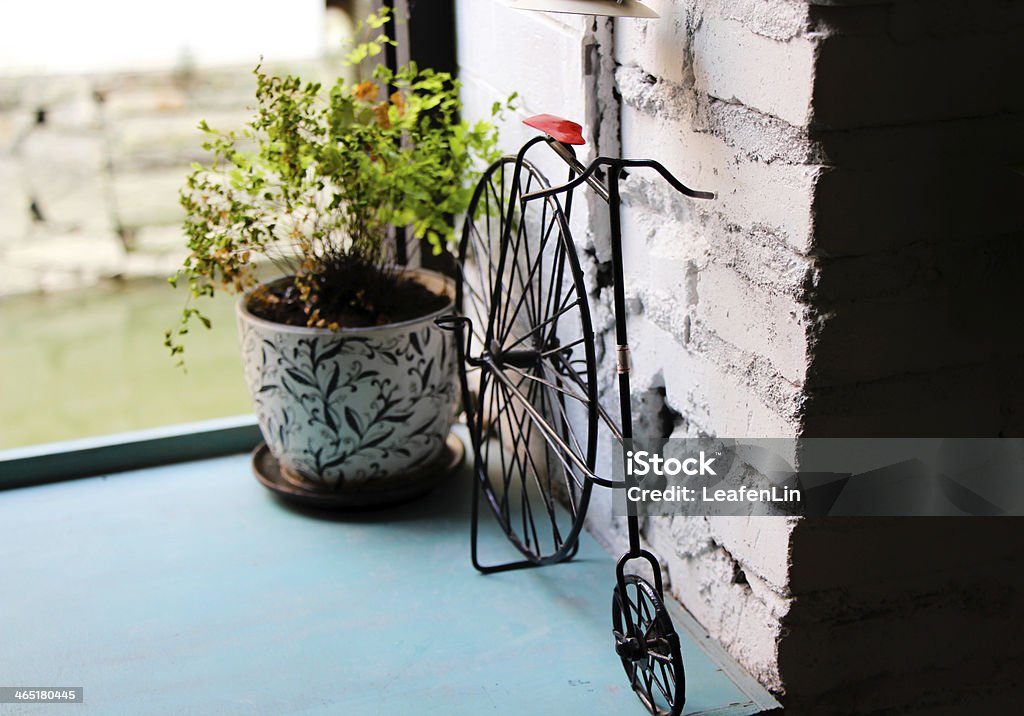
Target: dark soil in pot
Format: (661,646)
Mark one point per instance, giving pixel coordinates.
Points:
(347,294)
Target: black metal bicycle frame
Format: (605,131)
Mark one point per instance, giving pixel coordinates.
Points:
(610,193)
(632,646)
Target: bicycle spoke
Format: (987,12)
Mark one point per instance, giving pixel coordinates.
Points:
(538,379)
(546,322)
(609,421)
(508,323)
(557,400)
(523,439)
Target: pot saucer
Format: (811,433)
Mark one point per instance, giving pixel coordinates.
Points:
(379,492)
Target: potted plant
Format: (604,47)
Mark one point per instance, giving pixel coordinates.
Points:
(350,378)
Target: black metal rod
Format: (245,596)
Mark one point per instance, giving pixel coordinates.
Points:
(620,569)
(621,338)
(569,157)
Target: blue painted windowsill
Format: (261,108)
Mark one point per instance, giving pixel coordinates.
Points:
(187,588)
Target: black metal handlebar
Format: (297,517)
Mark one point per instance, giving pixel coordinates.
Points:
(586,174)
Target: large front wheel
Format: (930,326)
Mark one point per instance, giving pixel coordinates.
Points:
(529,382)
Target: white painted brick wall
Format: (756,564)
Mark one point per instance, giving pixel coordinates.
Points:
(707,161)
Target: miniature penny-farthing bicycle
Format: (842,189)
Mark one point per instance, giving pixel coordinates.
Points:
(529,384)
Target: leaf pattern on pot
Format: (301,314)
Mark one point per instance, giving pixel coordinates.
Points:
(341,408)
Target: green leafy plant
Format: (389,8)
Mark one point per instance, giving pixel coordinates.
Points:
(316,179)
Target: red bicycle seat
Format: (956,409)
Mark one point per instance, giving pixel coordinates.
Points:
(563,130)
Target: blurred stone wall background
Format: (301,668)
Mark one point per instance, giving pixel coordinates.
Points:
(91,166)
(98,115)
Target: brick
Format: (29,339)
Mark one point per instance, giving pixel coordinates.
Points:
(951,20)
(136,95)
(490,34)
(753,320)
(66,100)
(15,217)
(744,621)
(718,391)
(915,667)
(666,224)
(965,401)
(760,546)
(89,256)
(753,135)
(856,561)
(860,211)
(17,280)
(777,19)
(165,139)
(749,193)
(15,124)
(986,141)
(156,251)
(734,64)
(873,80)
(869,340)
(939,272)
(659,48)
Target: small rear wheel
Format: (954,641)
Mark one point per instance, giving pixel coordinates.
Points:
(648,645)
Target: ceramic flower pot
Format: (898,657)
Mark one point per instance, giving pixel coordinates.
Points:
(338,408)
